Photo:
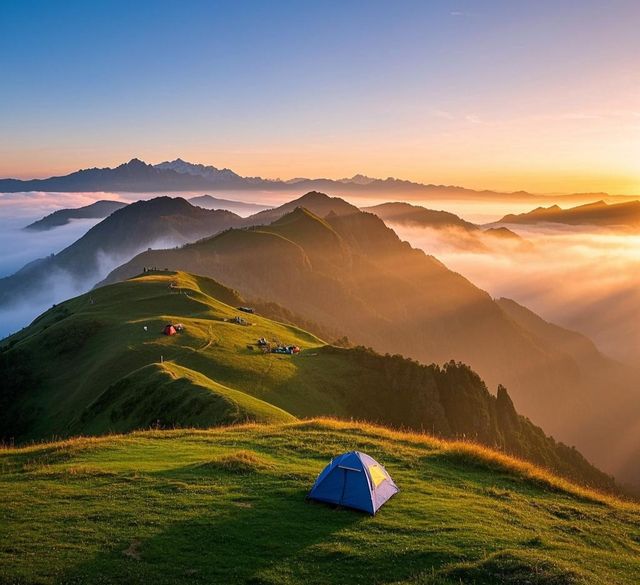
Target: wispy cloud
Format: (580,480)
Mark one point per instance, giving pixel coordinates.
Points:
(589,115)
(443,114)
(474,119)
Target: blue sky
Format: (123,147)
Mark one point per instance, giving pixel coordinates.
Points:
(492,94)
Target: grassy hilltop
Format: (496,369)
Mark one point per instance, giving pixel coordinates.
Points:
(227,506)
(89,366)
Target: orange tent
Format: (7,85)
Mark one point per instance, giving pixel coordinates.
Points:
(169,330)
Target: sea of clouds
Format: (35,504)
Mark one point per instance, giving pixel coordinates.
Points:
(586,279)
(583,278)
(17,210)
(18,247)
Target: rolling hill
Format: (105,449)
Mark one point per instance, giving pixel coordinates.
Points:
(228,506)
(351,273)
(599,213)
(97,210)
(100,363)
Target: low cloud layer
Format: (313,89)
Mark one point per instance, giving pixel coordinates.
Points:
(20,247)
(582,278)
(59,285)
(18,210)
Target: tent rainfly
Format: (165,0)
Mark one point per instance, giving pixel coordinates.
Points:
(354,480)
(169,330)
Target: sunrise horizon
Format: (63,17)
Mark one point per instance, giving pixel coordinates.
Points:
(495,96)
(546,186)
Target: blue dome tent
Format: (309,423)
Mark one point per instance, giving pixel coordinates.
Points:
(354,480)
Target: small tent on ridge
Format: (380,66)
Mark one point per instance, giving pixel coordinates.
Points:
(354,480)
(169,330)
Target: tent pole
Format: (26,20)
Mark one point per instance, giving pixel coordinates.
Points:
(344,486)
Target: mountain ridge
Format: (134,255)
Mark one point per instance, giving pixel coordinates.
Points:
(138,176)
(456,232)
(211,202)
(598,213)
(96,210)
(381,292)
(208,376)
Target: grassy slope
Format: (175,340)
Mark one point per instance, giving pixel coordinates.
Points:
(89,367)
(227,506)
(171,395)
(96,359)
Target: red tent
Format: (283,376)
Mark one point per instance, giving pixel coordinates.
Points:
(169,330)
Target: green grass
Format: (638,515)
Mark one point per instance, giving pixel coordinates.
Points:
(228,506)
(93,351)
(171,394)
(99,363)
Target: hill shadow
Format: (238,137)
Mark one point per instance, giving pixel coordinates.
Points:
(240,540)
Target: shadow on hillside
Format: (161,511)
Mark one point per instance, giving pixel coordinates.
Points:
(244,536)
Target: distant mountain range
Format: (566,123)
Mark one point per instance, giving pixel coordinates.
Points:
(178,175)
(598,213)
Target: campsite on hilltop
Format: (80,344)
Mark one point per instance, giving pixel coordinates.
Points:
(228,505)
(319,293)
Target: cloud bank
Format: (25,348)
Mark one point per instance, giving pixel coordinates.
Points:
(581,278)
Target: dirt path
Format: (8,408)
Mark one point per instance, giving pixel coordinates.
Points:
(208,344)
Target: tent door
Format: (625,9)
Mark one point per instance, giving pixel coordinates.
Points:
(345,476)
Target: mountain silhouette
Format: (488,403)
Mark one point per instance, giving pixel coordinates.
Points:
(178,175)
(455,231)
(598,213)
(162,221)
(97,210)
(211,202)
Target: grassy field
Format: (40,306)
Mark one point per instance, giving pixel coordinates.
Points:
(228,506)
